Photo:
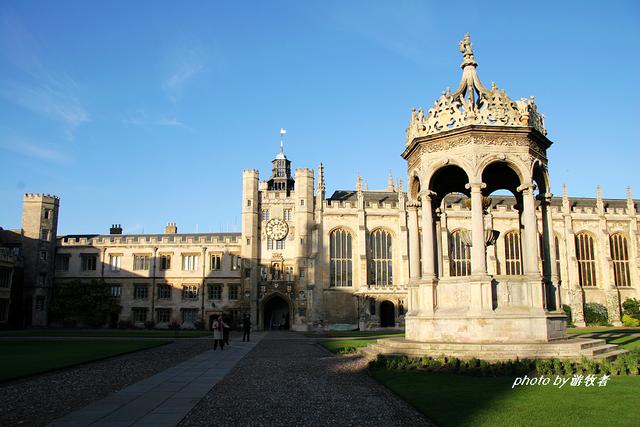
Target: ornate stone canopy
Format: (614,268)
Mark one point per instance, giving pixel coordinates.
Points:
(473,104)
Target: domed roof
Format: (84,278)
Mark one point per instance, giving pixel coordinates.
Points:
(473,104)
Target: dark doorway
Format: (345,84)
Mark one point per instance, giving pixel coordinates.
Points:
(387,314)
(276,313)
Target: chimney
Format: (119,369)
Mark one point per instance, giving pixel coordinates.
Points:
(171,228)
(115,229)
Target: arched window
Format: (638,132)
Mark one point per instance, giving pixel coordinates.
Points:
(620,258)
(380,260)
(340,264)
(459,255)
(585,254)
(512,253)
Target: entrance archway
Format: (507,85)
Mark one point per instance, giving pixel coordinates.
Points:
(387,314)
(276,313)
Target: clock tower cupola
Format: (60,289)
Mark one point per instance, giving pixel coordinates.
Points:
(281,179)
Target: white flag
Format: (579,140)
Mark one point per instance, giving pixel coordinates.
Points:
(283,131)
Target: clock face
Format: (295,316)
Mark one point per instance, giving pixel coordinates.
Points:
(277,229)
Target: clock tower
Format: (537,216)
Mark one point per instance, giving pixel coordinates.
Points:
(278,222)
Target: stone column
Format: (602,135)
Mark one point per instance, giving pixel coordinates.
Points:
(414,242)
(478,252)
(427,296)
(549,241)
(428,270)
(531,244)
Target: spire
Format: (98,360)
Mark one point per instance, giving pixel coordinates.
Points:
(470,88)
(565,193)
(390,183)
(359,184)
(321,186)
(631,206)
(629,193)
(566,208)
(599,202)
(281,155)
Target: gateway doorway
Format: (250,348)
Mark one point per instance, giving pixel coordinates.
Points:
(387,314)
(276,313)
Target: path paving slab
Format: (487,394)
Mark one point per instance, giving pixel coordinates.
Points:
(165,398)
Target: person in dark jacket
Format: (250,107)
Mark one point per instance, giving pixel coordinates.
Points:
(225,330)
(246,327)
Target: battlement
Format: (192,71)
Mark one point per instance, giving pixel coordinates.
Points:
(35,197)
(231,239)
(304,171)
(250,172)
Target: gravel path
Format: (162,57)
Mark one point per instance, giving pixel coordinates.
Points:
(38,400)
(290,380)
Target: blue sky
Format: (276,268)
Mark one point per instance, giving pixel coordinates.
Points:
(146,112)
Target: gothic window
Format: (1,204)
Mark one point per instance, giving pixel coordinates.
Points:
(512,253)
(115,261)
(380,259)
(62,262)
(190,262)
(189,292)
(139,314)
(164,291)
(216,261)
(620,258)
(233,292)
(585,255)
(287,215)
(140,291)
(340,262)
(88,262)
(189,315)
(459,255)
(280,244)
(163,315)
(141,262)
(214,291)
(116,290)
(165,262)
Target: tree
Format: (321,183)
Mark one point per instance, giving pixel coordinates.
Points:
(88,303)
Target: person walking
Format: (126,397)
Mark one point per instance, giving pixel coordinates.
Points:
(246,327)
(218,333)
(226,329)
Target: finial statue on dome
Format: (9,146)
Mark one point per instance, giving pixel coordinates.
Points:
(467,51)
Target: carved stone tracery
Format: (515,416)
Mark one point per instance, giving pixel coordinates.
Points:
(474,104)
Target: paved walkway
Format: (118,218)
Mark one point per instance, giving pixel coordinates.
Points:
(290,380)
(165,398)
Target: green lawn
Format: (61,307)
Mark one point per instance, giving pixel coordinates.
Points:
(345,346)
(143,333)
(592,329)
(23,358)
(455,400)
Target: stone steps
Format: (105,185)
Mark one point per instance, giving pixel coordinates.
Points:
(573,349)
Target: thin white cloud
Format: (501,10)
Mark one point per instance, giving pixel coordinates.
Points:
(46,100)
(40,89)
(142,118)
(186,64)
(34,150)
